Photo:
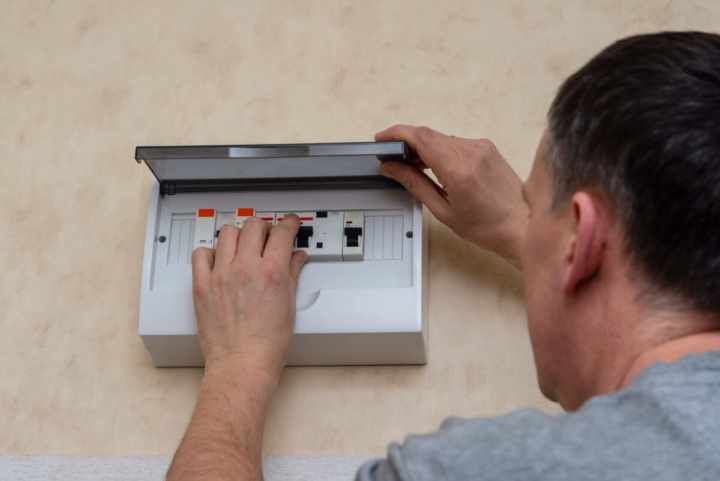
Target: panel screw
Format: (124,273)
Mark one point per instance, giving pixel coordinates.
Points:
(162,239)
(409,234)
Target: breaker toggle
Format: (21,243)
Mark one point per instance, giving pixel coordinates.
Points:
(353,236)
(303,236)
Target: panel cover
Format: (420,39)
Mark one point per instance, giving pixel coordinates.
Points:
(267,167)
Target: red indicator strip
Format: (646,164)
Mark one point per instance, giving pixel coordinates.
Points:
(245,212)
(267,218)
(206,213)
(301,218)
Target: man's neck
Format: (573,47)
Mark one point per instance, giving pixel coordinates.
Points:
(672,351)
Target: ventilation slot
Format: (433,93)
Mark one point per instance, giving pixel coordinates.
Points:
(383,237)
(182,230)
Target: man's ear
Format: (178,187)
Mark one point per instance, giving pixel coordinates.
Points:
(585,248)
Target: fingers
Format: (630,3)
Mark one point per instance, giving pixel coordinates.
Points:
(419,185)
(297,260)
(433,148)
(419,164)
(252,240)
(203,260)
(282,238)
(227,245)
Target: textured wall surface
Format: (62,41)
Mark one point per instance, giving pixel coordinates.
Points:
(83,82)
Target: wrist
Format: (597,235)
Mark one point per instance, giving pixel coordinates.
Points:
(228,375)
(505,240)
(511,239)
(260,360)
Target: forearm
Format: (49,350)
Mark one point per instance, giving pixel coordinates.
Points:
(224,439)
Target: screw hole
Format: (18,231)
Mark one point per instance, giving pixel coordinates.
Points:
(409,234)
(162,239)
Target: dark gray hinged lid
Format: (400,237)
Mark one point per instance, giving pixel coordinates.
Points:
(212,168)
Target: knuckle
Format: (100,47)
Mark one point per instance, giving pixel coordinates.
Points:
(392,131)
(198,254)
(481,148)
(272,271)
(410,184)
(285,230)
(218,279)
(200,290)
(426,135)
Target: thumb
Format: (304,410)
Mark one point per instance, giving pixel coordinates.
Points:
(297,260)
(418,184)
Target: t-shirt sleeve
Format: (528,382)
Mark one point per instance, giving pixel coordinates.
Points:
(502,448)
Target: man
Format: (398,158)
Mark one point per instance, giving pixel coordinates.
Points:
(617,232)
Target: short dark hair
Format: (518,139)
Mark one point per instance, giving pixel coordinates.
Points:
(640,125)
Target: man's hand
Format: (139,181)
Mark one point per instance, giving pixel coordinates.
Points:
(244,294)
(245,307)
(479,196)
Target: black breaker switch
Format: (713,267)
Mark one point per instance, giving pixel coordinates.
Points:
(353,234)
(303,236)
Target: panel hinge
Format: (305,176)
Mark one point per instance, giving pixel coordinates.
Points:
(167,188)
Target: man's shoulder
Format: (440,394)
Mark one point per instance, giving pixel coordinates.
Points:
(662,425)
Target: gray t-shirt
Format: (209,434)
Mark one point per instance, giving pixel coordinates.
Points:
(665,425)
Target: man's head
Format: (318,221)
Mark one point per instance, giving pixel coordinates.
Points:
(625,209)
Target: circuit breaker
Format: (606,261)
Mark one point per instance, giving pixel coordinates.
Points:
(361,296)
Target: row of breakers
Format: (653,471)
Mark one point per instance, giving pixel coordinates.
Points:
(326,236)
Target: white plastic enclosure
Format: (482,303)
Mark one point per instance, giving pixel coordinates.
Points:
(369,311)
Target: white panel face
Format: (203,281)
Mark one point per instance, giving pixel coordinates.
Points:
(384,258)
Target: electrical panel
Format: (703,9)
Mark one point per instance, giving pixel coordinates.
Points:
(361,296)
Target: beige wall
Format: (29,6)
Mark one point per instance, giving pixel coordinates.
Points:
(82,83)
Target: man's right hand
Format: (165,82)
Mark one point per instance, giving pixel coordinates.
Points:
(479,196)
